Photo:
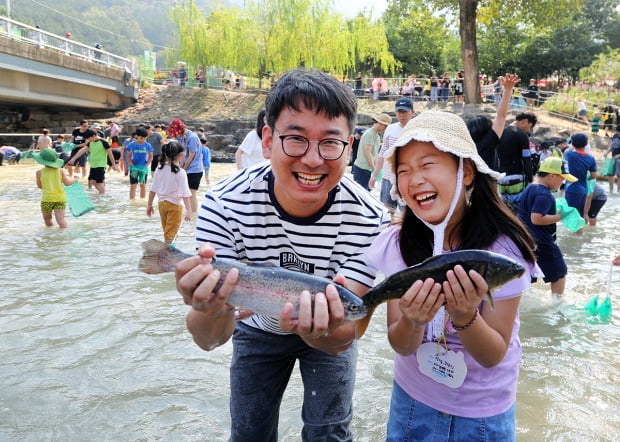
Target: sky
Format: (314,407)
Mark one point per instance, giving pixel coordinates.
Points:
(351,7)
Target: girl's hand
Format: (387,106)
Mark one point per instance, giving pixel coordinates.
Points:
(463,292)
(421,302)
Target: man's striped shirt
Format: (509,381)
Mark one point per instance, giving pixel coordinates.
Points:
(242,219)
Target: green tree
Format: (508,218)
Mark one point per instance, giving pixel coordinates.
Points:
(604,69)
(277,35)
(417,38)
(530,16)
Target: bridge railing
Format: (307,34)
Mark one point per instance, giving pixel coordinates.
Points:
(46,40)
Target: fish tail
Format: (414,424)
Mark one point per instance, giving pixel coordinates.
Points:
(362,324)
(491,300)
(151,257)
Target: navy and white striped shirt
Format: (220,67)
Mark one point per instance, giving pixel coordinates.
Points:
(242,219)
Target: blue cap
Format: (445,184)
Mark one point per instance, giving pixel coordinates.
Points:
(404,103)
(359,130)
(579,140)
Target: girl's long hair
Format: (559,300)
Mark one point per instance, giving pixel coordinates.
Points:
(168,153)
(486,218)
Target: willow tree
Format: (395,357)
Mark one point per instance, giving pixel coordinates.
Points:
(277,35)
(417,37)
(368,43)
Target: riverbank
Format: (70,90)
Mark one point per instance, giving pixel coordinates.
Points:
(212,108)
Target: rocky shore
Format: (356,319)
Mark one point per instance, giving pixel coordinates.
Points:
(227,116)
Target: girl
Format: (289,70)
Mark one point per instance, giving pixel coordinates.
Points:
(170,186)
(50,180)
(456,365)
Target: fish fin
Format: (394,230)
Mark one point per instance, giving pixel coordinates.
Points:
(491,300)
(362,324)
(149,263)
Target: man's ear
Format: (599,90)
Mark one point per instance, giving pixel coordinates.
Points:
(267,141)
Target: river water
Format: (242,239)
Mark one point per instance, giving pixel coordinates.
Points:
(93,350)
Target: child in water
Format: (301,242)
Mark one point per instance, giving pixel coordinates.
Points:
(457,359)
(537,211)
(170,186)
(50,180)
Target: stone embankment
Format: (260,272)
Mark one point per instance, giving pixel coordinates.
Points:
(227,116)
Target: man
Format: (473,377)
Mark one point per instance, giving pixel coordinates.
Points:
(300,212)
(155,140)
(367,151)
(79,139)
(515,159)
(192,162)
(404,113)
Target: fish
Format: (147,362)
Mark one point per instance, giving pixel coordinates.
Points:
(496,269)
(261,289)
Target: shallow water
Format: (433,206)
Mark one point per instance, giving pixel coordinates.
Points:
(91,349)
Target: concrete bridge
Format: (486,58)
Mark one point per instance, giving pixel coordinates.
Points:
(47,80)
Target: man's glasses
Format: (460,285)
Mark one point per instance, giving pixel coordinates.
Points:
(296,146)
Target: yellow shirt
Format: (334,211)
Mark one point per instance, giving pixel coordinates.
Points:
(51,183)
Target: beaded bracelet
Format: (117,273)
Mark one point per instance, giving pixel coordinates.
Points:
(466,326)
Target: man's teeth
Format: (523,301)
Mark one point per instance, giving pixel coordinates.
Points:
(309,179)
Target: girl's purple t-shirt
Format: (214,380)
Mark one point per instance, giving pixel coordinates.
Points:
(485,391)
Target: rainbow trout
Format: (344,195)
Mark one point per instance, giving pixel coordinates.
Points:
(496,269)
(261,289)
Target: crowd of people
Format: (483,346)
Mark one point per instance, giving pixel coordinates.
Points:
(294,206)
(150,150)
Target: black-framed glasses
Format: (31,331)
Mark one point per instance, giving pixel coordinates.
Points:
(296,146)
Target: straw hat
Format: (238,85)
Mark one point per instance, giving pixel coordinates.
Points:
(447,132)
(48,157)
(382,119)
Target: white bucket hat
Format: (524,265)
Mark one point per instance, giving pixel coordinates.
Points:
(448,133)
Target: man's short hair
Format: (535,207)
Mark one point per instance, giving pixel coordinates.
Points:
(527,116)
(141,132)
(314,90)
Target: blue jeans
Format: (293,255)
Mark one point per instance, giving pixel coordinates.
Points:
(434,90)
(262,364)
(411,420)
